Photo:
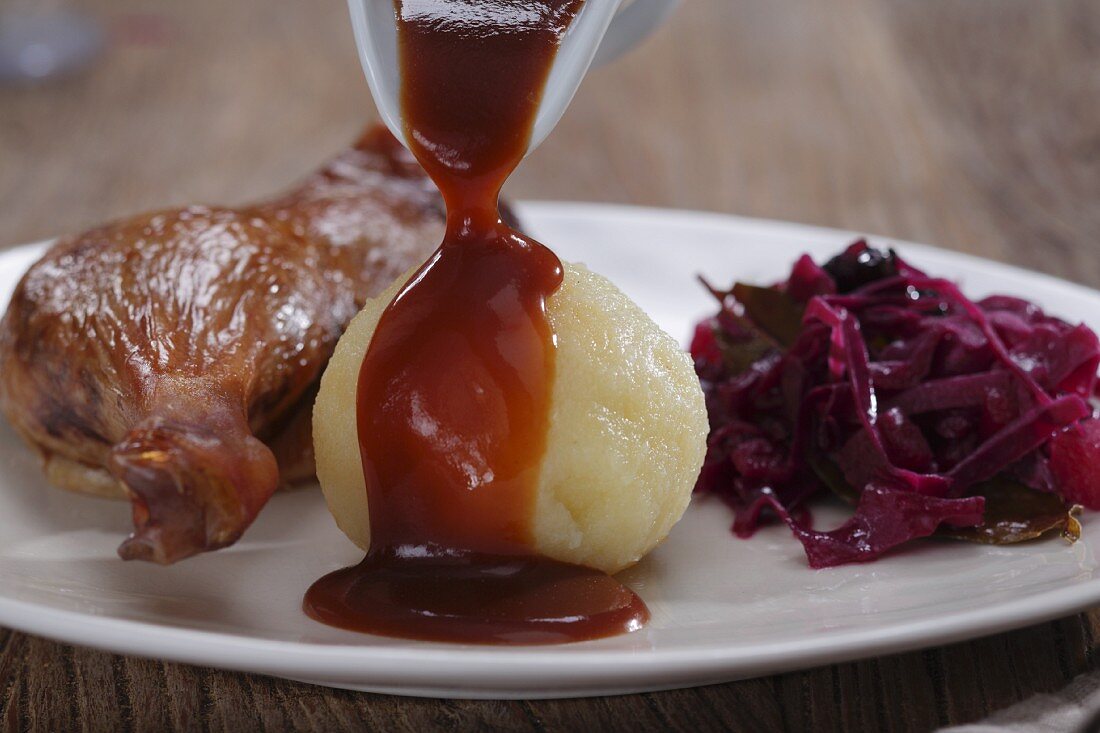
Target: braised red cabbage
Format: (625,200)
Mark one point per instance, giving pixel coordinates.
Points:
(869,378)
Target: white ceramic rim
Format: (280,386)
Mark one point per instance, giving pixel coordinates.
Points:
(603,31)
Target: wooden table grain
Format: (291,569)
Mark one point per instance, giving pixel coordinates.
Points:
(971,124)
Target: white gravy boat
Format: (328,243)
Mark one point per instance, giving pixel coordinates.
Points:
(602,31)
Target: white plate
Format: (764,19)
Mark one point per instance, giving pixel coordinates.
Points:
(722,608)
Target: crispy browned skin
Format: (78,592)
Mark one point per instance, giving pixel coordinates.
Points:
(176,354)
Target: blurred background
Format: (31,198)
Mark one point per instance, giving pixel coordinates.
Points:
(973,124)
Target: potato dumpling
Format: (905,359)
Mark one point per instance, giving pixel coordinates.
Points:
(626,436)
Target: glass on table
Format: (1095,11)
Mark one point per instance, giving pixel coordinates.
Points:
(44,40)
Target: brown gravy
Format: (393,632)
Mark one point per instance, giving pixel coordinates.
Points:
(454,391)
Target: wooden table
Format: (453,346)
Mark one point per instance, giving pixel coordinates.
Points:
(972,124)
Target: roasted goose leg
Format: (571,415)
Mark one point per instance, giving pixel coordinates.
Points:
(164,356)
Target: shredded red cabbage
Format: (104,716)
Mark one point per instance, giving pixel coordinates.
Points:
(869,378)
